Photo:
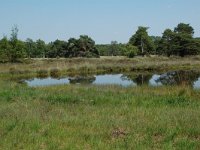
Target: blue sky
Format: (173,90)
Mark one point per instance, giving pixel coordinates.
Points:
(103,20)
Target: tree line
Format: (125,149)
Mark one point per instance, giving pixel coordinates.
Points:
(179,42)
(12,49)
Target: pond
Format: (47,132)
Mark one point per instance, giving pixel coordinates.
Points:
(189,78)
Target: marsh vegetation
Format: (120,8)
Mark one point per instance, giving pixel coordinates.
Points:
(103,116)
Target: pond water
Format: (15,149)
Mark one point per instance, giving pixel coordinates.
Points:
(190,78)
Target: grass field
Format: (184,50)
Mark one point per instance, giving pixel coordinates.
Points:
(104,64)
(98,117)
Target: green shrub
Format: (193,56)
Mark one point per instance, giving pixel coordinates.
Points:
(132,51)
(55,73)
(42,73)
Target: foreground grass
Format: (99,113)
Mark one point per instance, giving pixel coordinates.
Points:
(98,117)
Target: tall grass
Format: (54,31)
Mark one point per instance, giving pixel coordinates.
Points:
(104,64)
(98,117)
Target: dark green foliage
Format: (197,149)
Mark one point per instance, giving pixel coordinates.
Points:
(12,50)
(185,45)
(184,29)
(113,49)
(131,51)
(179,42)
(57,49)
(30,47)
(17,49)
(165,46)
(36,49)
(103,49)
(40,49)
(82,47)
(156,41)
(4,49)
(142,40)
(183,40)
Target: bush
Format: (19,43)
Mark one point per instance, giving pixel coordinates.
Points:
(132,51)
(42,73)
(131,54)
(55,73)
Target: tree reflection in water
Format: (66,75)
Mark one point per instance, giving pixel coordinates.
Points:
(139,79)
(169,78)
(189,78)
(179,78)
(82,80)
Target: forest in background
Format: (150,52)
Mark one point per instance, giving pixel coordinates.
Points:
(178,42)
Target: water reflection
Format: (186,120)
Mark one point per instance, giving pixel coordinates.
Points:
(119,79)
(197,84)
(154,81)
(139,79)
(82,79)
(189,78)
(179,78)
(46,82)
